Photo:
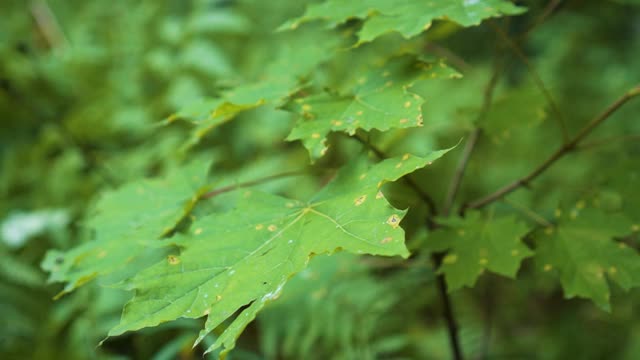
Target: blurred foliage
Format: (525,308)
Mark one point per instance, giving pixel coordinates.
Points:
(97,94)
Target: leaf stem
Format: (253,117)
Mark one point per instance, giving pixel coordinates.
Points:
(566,148)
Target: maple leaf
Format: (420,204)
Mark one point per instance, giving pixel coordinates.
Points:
(406,17)
(128,223)
(254,249)
(377,98)
(476,244)
(581,251)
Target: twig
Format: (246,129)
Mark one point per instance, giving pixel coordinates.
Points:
(472,141)
(562,151)
(47,24)
(426,198)
(452,325)
(536,78)
(263,180)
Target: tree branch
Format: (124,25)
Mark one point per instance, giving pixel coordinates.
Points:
(454,187)
(562,151)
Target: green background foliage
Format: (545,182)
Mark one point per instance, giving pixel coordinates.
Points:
(287,179)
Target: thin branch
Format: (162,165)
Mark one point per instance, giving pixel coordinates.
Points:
(48,25)
(536,78)
(454,187)
(426,198)
(452,325)
(260,181)
(558,154)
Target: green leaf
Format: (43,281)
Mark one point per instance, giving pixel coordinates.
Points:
(254,249)
(377,98)
(128,223)
(476,244)
(581,251)
(407,17)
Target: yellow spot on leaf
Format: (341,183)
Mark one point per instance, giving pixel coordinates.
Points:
(386,240)
(399,165)
(361,177)
(379,195)
(218,297)
(360,200)
(259,227)
(403,121)
(306,107)
(450,259)
(405,156)
(316,136)
(635,227)
(407,104)
(272,228)
(613,270)
(289,205)
(515,252)
(198,231)
(359,113)
(173,260)
(483,261)
(574,214)
(394,221)
(336,122)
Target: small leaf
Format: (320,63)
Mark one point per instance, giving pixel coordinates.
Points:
(378,98)
(582,253)
(476,244)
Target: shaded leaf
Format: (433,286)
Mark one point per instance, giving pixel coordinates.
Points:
(581,251)
(476,244)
